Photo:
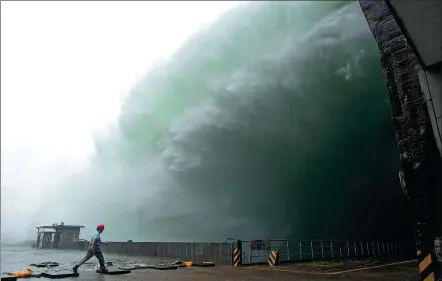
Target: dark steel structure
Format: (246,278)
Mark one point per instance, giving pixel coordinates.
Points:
(408,34)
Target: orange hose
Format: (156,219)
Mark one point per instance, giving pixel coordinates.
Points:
(22,274)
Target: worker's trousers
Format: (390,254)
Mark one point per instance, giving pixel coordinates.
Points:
(89,255)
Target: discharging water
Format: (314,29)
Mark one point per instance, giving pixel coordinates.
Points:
(272,123)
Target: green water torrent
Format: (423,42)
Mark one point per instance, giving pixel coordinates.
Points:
(272,122)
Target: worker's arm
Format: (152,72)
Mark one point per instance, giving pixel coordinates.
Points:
(104,243)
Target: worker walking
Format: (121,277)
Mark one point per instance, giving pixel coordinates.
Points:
(94,250)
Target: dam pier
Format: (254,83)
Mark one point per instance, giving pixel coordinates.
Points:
(408,35)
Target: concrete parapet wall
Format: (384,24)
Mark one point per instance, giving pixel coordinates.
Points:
(79,245)
(217,252)
(120,248)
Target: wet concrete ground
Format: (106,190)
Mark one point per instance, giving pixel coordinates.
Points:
(301,272)
(19,259)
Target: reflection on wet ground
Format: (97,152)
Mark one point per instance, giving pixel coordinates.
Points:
(20,258)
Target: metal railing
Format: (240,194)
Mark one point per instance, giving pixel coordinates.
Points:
(338,249)
(257,251)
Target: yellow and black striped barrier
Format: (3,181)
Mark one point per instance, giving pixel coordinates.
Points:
(273,258)
(426,267)
(237,254)
(236,257)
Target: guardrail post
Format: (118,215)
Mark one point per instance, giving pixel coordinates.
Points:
(311,248)
(288,250)
(300,250)
(340,250)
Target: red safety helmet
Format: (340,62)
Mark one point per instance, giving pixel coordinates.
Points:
(100,227)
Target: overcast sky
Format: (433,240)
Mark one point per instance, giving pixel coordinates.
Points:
(65,67)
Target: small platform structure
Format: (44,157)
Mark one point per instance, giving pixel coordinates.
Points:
(55,235)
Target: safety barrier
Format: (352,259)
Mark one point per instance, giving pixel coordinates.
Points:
(426,266)
(237,254)
(273,258)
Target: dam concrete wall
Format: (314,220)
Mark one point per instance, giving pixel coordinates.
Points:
(220,253)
